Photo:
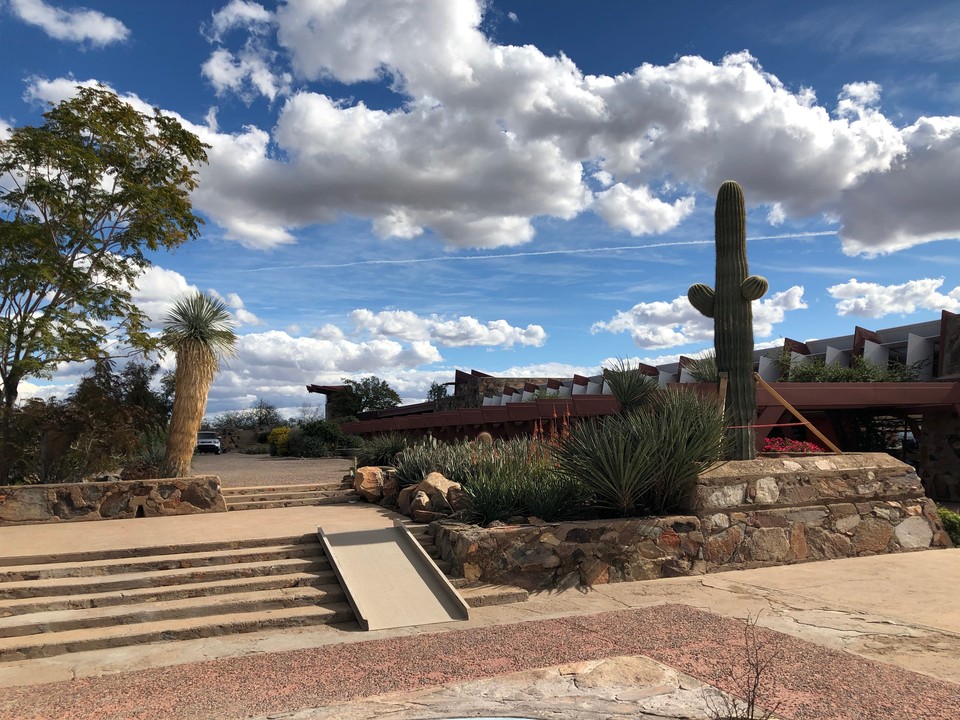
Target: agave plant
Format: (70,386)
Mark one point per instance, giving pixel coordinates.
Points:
(646,461)
(630,387)
(381,449)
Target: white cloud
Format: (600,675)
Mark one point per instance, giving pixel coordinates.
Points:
(464,331)
(75,25)
(486,137)
(915,201)
(279,366)
(158,288)
(241,316)
(238,14)
(638,212)
(672,324)
(776,215)
(875,300)
(769,312)
(246,74)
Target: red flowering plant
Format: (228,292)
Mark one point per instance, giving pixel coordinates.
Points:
(787,445)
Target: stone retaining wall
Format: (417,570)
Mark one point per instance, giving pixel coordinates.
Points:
(769,511)
(21,504)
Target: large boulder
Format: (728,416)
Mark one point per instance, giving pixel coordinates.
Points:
(434,498)
(405,498)
(368,483)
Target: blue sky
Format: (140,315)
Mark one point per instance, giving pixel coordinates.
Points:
(406,187)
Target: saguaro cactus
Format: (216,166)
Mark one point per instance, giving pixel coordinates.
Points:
(730,307)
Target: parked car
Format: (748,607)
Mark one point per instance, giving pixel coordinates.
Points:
(208,441)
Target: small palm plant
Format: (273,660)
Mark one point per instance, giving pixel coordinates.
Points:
(201,333)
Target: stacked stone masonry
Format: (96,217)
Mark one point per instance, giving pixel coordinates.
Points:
(769,511)
(110,500)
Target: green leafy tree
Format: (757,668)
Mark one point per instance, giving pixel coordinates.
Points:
(370,393)
(82,197)
(199,330)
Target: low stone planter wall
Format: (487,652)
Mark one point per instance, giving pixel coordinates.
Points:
(769,511)
(21,504)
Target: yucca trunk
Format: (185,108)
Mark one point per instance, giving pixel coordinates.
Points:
(196,368)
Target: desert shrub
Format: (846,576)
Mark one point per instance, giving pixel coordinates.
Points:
(259,449)
(514,477)
(860,370)
(502,478)
(279,441)
(951,523)
(553,496)
(645,461)
(148,453)
(381,449)
(417,461)
(300,444)
(327,431)
(351,441)
(494,495)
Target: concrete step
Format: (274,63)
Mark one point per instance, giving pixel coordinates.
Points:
(279,502)
(58,621)
(51,644)
(485,595)
(280,495)
(69,598)
(148,551)
(47,587)
(298,488)
(169,561)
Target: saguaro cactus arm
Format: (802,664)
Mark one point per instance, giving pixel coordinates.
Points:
(752,288)
(702,298)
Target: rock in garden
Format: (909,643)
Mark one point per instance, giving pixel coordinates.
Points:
(405,498)
(368,483)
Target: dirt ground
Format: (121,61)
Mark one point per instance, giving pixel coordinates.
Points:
(239,470)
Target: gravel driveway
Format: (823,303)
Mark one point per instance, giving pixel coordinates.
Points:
(238,470)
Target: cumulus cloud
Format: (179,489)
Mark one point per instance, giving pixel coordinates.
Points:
(249,71)
(247,74)
(485,137)
(238,14)
(76,25)
(158,288)
(638,212)
(672,324)
(915,201)
(241,315)
(278,366)
(874,300)
(464,331)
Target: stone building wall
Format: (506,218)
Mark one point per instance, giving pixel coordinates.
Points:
(21,504)
(771,511)
(940,455)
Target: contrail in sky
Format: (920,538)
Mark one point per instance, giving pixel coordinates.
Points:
(530,253)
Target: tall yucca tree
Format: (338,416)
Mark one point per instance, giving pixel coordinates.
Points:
(201,333)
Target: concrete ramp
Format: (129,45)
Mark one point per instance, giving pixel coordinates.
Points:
(390,580)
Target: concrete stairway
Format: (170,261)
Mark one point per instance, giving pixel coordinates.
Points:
(88,601)
(78,601)
(259,497)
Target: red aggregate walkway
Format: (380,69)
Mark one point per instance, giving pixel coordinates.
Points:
(810,681)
